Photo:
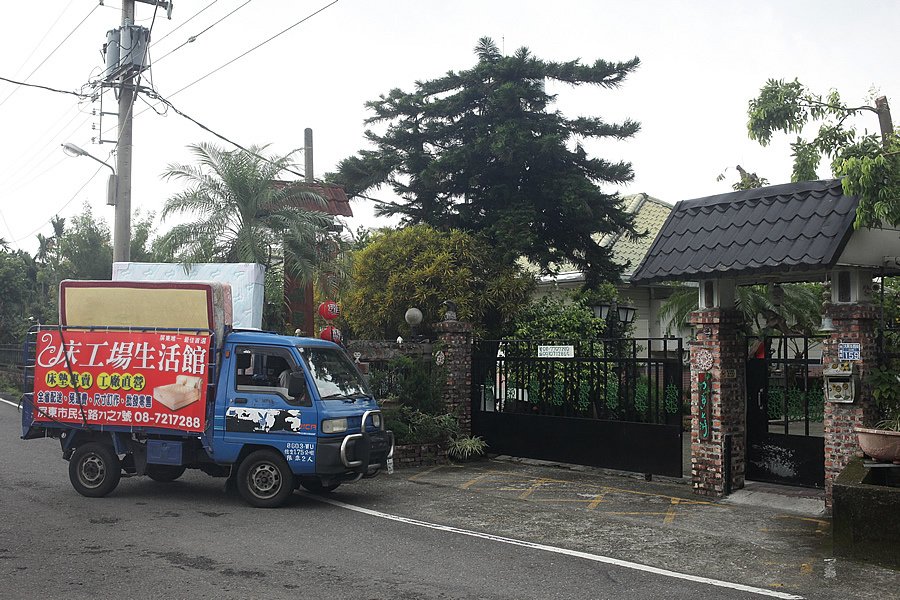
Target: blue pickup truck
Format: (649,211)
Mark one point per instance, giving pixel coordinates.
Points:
(268,412)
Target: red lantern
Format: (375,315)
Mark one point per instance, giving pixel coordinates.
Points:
(329,310)
(331,334)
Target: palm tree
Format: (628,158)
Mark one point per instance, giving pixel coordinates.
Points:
(799,312)
(243,215)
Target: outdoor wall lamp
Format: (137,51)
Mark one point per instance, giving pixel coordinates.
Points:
(112,185)
(625,314)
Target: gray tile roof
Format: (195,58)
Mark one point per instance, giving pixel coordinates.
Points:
(780,228)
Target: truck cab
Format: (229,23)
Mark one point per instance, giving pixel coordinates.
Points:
(306,399)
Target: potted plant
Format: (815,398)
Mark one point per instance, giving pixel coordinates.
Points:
(882,441)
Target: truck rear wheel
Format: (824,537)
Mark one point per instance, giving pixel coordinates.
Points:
(265,480)
(94,470)
(165,473)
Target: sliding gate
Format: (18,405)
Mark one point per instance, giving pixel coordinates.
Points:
(603,403)
(785,411)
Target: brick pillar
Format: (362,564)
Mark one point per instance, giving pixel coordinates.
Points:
(853,323)
(455,339)
(720,341)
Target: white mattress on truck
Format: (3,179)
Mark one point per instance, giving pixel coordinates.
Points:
(246,279)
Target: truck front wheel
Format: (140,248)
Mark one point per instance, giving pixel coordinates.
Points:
(94,470)
(265,480)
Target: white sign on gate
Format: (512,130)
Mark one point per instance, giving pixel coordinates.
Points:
(556,352)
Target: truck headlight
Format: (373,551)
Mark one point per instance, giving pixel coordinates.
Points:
(334,425)
(376,421)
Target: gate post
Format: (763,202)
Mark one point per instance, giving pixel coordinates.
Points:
(455,339)
(853,323)
(718,391)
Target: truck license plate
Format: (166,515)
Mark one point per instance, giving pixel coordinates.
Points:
(390,466)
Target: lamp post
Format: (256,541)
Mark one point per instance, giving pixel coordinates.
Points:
(413,318)
(112,185)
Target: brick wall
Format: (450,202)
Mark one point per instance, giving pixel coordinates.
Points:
(853,323)
(719,333)
(455,339)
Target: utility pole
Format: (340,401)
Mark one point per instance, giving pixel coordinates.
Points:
(122,229)
(308,155)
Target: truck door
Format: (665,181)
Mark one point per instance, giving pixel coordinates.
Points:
(259,409)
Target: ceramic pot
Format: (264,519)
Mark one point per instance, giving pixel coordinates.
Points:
(880,444)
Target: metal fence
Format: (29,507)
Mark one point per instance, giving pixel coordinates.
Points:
(637,380)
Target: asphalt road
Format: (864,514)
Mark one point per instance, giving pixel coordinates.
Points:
(441,534)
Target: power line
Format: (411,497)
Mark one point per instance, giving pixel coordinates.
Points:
(52,52)
(186,21)
(42,87)
(220,136)
(43,37)
(260,45)
(194,37)
(60,209)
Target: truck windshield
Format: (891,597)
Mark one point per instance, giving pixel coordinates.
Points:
(334,374)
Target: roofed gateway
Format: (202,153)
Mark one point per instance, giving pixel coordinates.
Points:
(783,232)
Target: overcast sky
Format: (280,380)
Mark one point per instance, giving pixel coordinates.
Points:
(701,62)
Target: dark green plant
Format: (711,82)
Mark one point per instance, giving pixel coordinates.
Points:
(416,384)
(411,426)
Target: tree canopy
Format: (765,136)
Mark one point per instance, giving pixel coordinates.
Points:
(483,151)
(868,164)
(421,267)
(243,213)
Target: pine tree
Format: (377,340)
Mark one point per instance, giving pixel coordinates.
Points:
(482,150)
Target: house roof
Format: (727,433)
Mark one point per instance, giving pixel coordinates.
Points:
(649,216)
(335,197)
(792,227)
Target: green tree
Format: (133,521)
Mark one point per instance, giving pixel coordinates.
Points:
(869,165)
(21,295)
(482,150)
(422,267)
(556,319)
(243,214)
(83,249)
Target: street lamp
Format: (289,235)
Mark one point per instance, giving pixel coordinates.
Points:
(413,318)
(623,315)
(113,182)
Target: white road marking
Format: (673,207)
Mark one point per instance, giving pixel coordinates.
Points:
(585,555)
(15,404)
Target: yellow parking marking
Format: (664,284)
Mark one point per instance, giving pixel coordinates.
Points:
(806,569)
(472,482)
(670,513)
(603,489)
(595,502)
(423,473)
(633,514)
(537,483)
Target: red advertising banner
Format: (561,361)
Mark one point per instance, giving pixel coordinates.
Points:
(125,378)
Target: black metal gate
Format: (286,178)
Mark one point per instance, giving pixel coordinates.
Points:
(785,411)
(604,403)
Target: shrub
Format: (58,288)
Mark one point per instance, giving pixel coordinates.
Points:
(411,426)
